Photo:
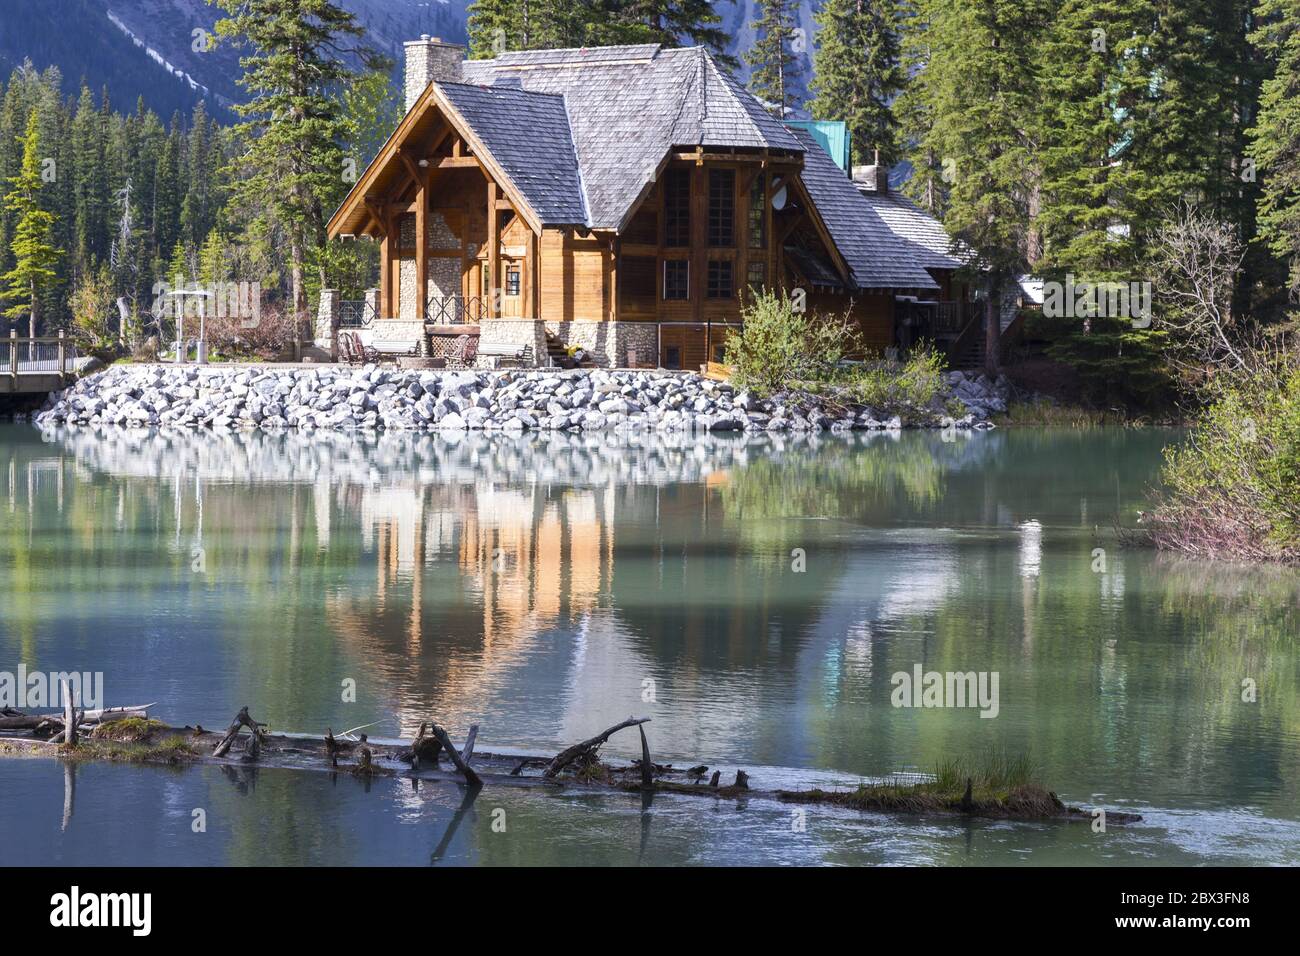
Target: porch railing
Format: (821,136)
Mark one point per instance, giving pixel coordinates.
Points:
(949,318)
(455,310)
(355,314)
(44,354)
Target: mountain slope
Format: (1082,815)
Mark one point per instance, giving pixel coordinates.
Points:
(150,48)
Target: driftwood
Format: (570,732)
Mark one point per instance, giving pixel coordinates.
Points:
(467,752)
(241,721)
(160,743)
(647,767)
(69,733)
(424,747)
(11,719)
(332,747)
(470,776)
(589,747)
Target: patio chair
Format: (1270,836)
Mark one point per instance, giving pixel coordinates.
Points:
(457,356)
(363,353)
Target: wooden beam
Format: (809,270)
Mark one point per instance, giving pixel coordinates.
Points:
(421,246)
(386,270)
(529,277)
(412,170)
(494,249)
(699,268)
(458,162)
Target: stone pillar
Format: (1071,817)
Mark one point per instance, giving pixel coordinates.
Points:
(372,305)
(326,336)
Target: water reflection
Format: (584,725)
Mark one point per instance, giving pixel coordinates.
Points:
(752,595)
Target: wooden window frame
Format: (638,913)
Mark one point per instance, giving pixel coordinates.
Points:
(709,286)
(677,208)
(686,292)
(721,231)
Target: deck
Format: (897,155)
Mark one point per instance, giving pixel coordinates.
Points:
(30,366)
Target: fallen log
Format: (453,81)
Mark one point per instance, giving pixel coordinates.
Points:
(183,745)
(588,747)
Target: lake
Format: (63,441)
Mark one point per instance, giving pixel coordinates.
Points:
(754,597)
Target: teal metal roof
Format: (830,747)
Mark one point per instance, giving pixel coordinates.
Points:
(832,136)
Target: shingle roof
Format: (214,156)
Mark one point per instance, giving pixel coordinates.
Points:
(923,234)
(876,257)
(542,164)
(628,106)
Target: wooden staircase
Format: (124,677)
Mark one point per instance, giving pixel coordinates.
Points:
(558,352)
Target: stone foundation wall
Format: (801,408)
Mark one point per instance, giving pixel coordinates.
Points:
(388,330)
(513,333)
(609,342)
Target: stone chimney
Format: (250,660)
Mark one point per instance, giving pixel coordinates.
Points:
(873,178)
(429,59)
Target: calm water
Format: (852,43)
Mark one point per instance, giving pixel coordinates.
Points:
(542,587)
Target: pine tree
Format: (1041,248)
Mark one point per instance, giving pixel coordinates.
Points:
(771,57)
(1275,137)
(670,22)
(1098,113)
(980,94)
(34,254)
(495,26)
(293,127)
(858,73)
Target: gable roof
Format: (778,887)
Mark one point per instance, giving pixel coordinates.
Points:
(628,106)
(876,257)
(542,164)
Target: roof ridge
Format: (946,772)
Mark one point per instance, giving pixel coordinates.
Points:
(499,87)
(577,160)
(727,82)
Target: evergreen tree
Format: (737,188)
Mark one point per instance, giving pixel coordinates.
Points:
(34,254)
(858,73)
(670,22)
(293,129)
(771,57)
(981,94)
(1275,137)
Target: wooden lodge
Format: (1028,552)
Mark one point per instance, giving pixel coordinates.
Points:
(624,200)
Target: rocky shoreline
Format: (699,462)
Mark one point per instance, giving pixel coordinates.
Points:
(375,398)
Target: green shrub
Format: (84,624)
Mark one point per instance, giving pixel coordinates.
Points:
(780,346)
(892,386)
(1233,487)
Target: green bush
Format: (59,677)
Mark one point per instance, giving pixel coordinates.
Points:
(890,385)
(780,346)
(1234,485)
